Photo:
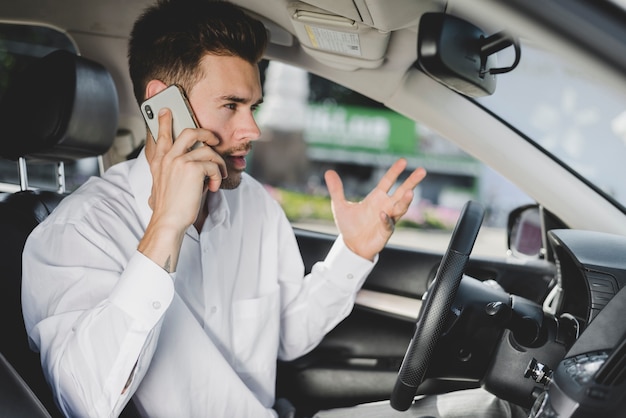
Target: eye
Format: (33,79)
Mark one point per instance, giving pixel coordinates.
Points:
(231,106)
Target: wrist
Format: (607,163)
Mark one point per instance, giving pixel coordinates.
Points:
(359,250)
(161,243)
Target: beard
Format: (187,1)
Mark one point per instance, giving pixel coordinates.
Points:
(233,180)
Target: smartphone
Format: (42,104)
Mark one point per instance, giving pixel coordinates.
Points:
(173,98)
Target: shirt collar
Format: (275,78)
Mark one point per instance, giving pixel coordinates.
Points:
(219,211)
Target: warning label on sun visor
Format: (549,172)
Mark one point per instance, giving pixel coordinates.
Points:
(334,41)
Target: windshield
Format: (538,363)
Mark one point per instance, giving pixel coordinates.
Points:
(574,117)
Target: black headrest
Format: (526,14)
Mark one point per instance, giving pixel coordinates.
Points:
(62,107)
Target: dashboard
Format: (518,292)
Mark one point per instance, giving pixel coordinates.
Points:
(591,380)
(591,268)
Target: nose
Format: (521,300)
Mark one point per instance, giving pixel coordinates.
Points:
(249,128)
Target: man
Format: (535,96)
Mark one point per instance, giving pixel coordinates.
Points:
(175,279)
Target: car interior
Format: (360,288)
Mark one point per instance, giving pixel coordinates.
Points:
(541,326)
(50,112)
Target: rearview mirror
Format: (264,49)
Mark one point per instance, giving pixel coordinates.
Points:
(460,55)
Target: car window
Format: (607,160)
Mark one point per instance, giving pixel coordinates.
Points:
(577,119)
(20,44)
(330,126)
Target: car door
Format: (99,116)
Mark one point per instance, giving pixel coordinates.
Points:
(358,361)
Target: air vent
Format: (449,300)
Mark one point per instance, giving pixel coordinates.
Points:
(613,372)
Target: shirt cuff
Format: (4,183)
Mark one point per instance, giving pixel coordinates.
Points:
(144,290)
(349,269)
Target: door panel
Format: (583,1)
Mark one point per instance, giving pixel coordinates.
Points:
(358,361)
(398,271)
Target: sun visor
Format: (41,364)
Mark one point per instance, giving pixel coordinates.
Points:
(337,41)
(385,15)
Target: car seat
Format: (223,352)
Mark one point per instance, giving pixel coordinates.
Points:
(61,108)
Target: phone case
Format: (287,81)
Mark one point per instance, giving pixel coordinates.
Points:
(174,99)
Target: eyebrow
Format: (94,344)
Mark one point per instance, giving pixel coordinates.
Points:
(238,99)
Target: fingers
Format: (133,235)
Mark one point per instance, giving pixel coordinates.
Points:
(208,165)
(187,139)
(402,197)
(410,183)
(391,176)
(389,179)
(334,185)
(213,164)
(401,205)
(213,181)
(164,138)
(190,138)
(188,147)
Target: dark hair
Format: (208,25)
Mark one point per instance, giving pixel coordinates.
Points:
(171,37)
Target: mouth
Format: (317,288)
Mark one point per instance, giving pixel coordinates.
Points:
(236,157)
(238,162)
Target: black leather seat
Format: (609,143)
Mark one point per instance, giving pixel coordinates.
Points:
(16,397)
(61,108)
(19,214)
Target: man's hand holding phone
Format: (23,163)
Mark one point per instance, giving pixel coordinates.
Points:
(175,100)
(203,158)
(181,169)
(178,184)
(181,172)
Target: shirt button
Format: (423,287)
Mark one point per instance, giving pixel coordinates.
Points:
(156,304)
(350,276)
(213,309)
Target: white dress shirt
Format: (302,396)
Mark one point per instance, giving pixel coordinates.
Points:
(202,342)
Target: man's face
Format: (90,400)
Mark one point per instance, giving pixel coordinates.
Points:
(224,101)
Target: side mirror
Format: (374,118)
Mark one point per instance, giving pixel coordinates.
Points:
(460,55)
(527,231)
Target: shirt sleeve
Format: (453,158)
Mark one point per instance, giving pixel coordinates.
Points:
(314,306)
(94,322)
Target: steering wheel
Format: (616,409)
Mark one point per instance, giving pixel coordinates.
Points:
(435,309)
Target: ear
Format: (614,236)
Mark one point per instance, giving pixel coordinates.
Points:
(153,87)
